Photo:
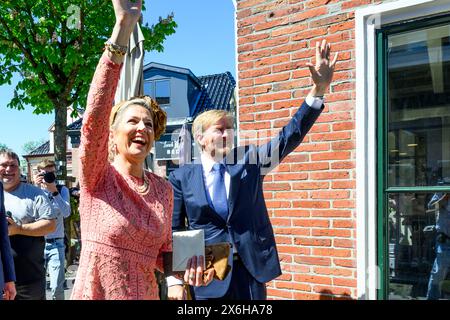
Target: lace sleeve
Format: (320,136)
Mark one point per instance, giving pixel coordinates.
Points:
(95,129)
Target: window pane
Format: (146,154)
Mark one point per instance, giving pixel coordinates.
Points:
(419,249)
(148,89)
(419,107)
(162,92)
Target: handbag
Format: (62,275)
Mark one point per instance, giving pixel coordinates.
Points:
(216,260)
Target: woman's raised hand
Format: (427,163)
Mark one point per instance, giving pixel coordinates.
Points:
(127,11)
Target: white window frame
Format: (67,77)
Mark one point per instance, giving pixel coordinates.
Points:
(368,20)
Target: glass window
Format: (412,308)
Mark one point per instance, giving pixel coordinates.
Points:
(419,107)
(414,152)
(148,89)
(162,92)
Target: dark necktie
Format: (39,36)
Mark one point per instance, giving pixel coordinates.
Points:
(220,202)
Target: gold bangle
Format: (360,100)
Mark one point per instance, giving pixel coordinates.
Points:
(115,48)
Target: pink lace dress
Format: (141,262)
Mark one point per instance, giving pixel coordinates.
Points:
(123,233)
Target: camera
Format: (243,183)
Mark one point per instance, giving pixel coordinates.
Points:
(49,177)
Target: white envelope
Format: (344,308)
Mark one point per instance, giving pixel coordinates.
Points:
(185,245)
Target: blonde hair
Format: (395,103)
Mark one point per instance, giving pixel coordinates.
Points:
(207,118)
(159,116)
(45,163)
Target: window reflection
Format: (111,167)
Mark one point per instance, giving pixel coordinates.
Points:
(419,107)
(419,247)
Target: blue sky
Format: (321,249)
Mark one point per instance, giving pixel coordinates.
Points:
(204,42)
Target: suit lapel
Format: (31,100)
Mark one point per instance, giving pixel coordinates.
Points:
(196,179)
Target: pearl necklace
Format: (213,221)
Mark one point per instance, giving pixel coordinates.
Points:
(143,189)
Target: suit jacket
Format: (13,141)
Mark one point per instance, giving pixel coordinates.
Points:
(248,225)
(7,273)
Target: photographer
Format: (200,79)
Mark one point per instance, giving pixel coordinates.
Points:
(54,242)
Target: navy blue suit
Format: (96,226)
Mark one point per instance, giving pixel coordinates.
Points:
(248,225)
(7,273)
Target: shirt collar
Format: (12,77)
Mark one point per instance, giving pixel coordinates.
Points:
(207,164)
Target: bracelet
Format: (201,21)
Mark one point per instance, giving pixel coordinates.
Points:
(115,48)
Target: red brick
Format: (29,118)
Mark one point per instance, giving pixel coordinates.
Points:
(344,243)
(335,116)
(307,147)
(271,43)
(290,176)
(308,34)
(275,78)
(304,157)
(277,186)
(332,136)
(246,83)
(248,3)
(311,223)
(271,60)
(313,242)
(292,213)
(330,194)
(320,127)
(315,261)
(302,73)
(247,118)
(288,66)
(283,239)
(328,21)
(289,30)
(272,115)
(255,90)
(250,21)
(293,231)
(254,55)
(344,204)
(355,3)
(346,86)
(291,195)
(329,175)
(254,73)
(284,277)
(330,156)
(255,125)
(343,224)
(306,296)
(343,185)
(310,166)
(287,104)
(279,293)
(345,262)
(343,26)
(343,233)
(341,126)
(312,279)
(293,250)
(311,204)
(308,14)
(293,286)
(333,271)
(245,48)
(332,291)
(246,100)
(278,204)
(245,66)
(343,165)
(344,282)
(342,253)
(255,108)
(310,185)
(243,14)
(271,24)
(281,222)
(332,213)
(289,48)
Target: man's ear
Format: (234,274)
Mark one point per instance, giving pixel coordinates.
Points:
(111,134)
(199,138)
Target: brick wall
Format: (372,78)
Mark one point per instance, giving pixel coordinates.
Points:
(311,195)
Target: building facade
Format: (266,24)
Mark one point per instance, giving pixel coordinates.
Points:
(352,207)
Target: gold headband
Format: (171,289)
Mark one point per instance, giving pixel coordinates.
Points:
(121,106)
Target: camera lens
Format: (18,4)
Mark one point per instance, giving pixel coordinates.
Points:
(49,177)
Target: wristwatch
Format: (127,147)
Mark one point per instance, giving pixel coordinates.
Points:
(55,193)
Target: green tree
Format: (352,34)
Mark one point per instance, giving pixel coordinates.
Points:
(31,145)
(3,146)
(55,47)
